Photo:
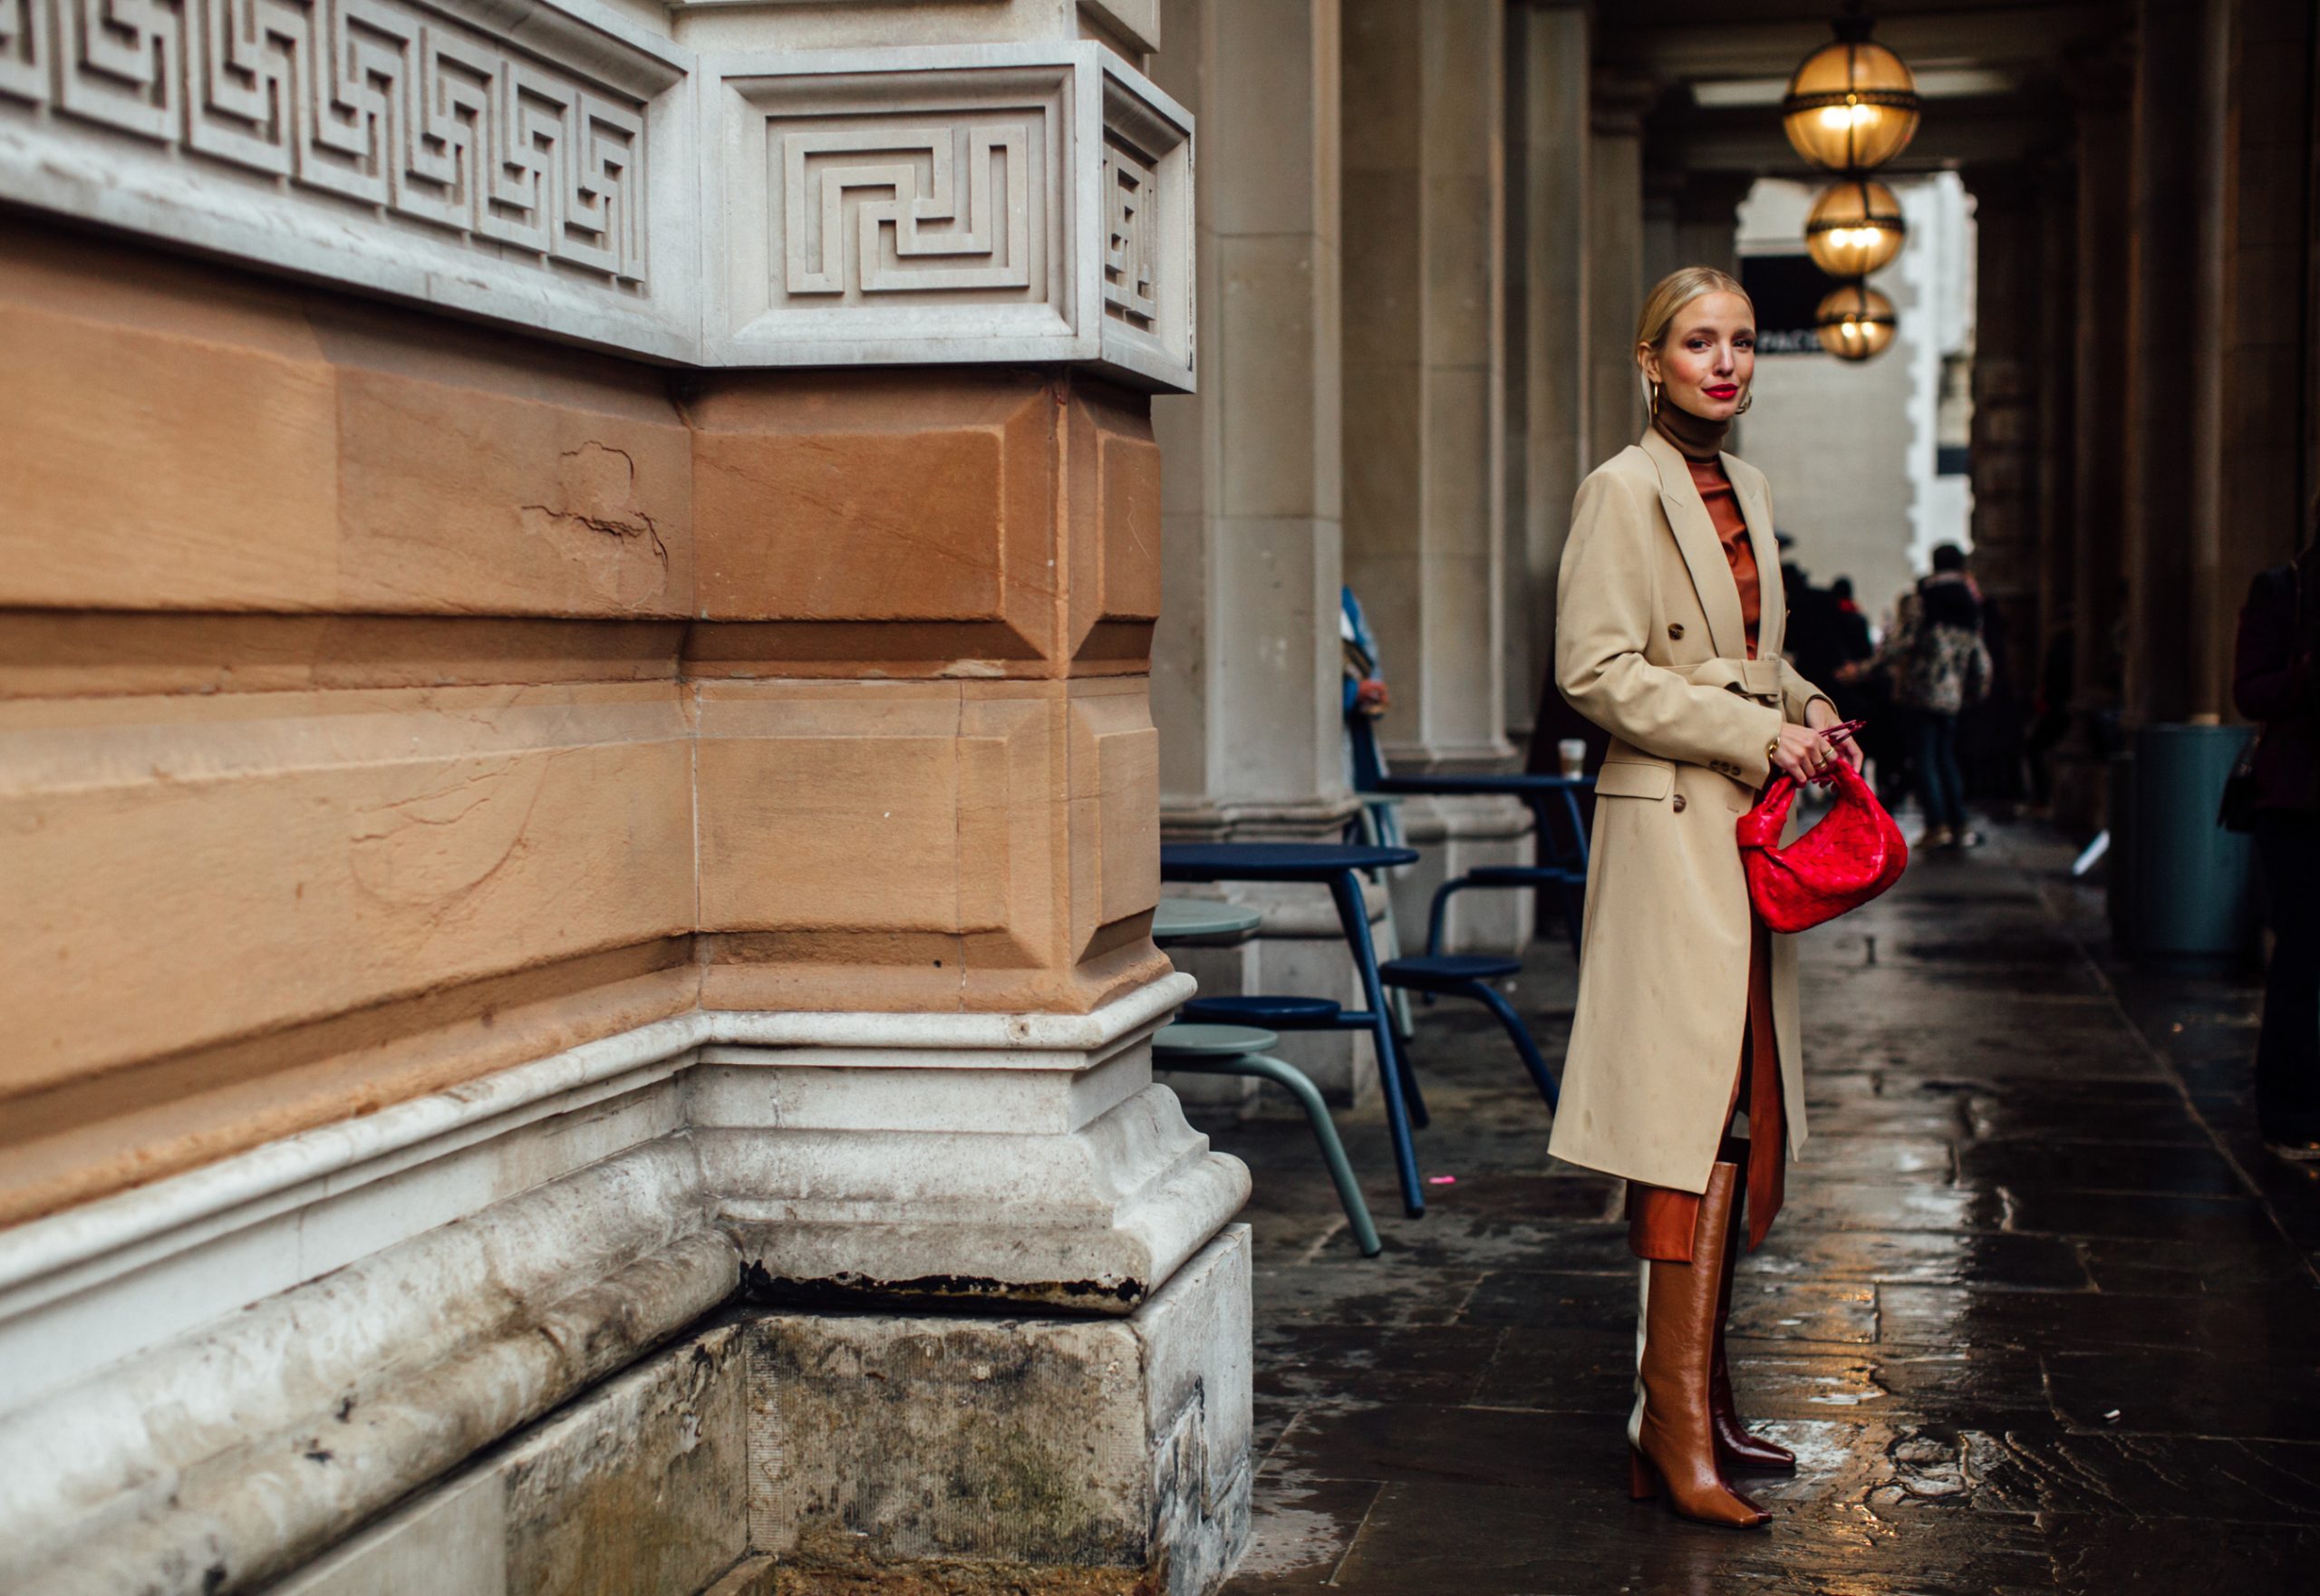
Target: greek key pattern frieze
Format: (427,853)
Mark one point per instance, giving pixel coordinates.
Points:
(1130,258)
(377,102)
(902,210)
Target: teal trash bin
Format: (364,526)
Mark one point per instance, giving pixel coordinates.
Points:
(2194,903)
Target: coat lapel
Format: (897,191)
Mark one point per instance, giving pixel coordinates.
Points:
(1702,550)
(1772,618)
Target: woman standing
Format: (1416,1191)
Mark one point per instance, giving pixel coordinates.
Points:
(1669,634)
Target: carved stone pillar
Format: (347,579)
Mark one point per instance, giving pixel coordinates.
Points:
(2058,525)
(1548,280)
(1663,251)
(1245,669)
(1424,428)
(1615,280)
(1246,661)
(2262,498)
(636,803)
(2164,314)
(2102,90)
(1708,218)
(1691,219)
(2009,233)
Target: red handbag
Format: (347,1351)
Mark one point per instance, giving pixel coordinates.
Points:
(1854,852)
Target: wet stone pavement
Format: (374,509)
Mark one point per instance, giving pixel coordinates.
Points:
(2041,1312)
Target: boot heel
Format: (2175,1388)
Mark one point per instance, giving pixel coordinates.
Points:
(1643,1480)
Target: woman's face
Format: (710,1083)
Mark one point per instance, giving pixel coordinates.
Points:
(1708,357)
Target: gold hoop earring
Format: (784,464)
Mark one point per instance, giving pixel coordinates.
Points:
(1746,399)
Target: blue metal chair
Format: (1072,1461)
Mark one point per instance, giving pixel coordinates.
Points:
(1469,975)
(1559,837)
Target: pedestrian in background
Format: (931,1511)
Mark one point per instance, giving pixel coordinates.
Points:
(1866,686)
(1815,627)
(2278,800)
(1853,641)
(1940,666)
(1668,631)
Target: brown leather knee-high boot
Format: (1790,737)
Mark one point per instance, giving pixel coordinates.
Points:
(1736,1445)
(1671,1435)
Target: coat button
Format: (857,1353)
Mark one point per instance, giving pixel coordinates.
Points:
(1680,802)
(1675,629)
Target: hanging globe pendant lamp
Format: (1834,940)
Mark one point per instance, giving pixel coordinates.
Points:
(1853,105)
(1855,322)
(1855,228)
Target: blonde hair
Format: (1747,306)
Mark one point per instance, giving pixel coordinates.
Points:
(1675,291)
(1666,301)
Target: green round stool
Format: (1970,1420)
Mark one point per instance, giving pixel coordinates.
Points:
(1178,919)
(1241,1049)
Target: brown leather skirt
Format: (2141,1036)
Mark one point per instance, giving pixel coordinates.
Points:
(1660,1219)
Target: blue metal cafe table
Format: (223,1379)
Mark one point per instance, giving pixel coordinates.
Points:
(1339,867)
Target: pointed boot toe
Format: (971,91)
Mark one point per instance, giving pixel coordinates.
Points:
(1741,1451)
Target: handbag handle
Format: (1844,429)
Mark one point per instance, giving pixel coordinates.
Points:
(1760,827)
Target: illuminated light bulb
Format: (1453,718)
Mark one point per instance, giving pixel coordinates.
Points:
(1856,323)
(1855,228)
(1853,105)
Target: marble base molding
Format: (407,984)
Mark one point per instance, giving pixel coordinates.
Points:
(228,1368)
(774,1451)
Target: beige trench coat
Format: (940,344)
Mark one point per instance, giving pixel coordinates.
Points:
(1649,646)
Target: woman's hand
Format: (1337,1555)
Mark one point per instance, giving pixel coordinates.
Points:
(1803,753)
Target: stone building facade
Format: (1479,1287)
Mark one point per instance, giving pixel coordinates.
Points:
(581,802)
(604,604)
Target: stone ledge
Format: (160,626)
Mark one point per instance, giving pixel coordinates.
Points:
(1009,203)
(82,1247)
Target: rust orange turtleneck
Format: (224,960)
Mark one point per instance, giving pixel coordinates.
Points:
(1723,508)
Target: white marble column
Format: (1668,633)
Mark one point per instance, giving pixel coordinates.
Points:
(1245,665)
(1546,367)
(1423,422)
(1615,284)
(1245,662)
